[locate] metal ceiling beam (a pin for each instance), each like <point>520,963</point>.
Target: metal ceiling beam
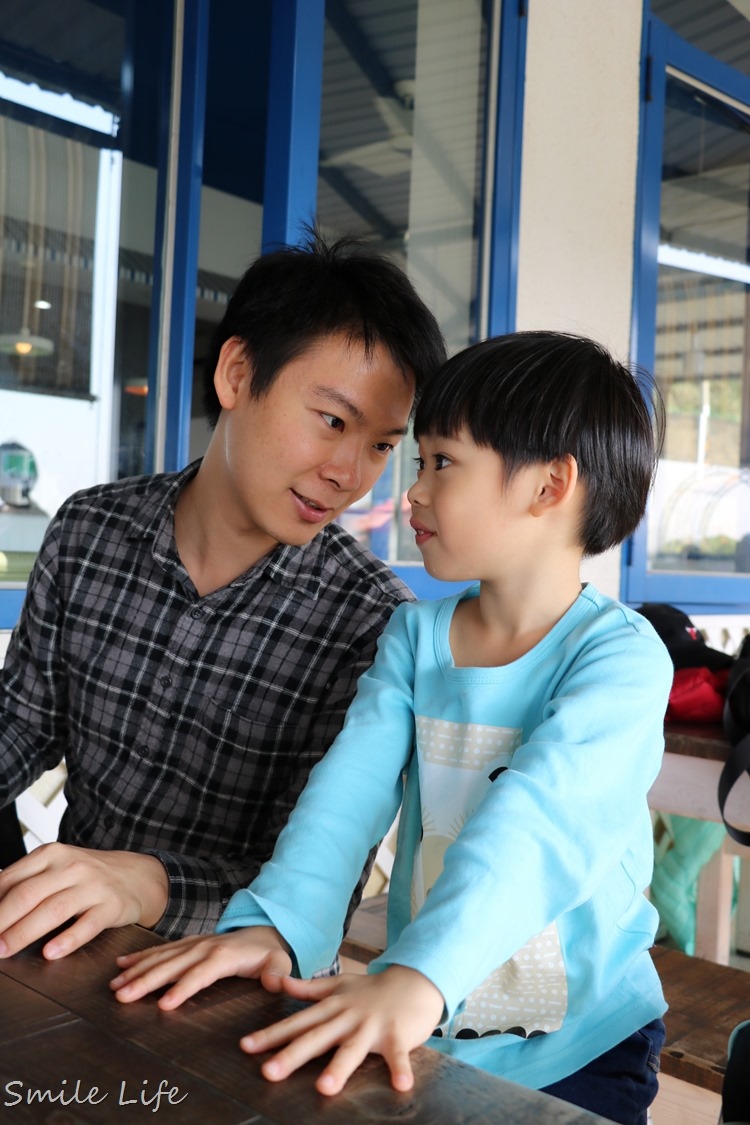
<point>22,62</point>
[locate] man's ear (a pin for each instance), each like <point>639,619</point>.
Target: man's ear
<point>557,484</point>
<point>233,371</point>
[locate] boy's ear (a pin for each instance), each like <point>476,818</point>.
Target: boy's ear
<point>557,484</point>
<point>233,371</point>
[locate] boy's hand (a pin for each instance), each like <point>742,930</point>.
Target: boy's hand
<point>258,952</point>
<point>93,890</point>
<point>388,1014</point>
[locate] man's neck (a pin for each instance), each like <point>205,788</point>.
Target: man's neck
<point>211,551</point>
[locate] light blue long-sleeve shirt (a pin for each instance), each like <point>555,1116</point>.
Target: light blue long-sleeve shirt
<point>525,841</point>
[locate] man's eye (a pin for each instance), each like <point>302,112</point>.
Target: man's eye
<point>332,421</point>
<point>384,447</point>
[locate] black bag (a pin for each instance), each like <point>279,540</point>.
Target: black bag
<point>737,729</point>
<point>735,1094</point>
<point>11,837</point>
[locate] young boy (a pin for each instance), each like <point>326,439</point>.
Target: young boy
<point>520,723</point>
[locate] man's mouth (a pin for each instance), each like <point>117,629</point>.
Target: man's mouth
<point>308,508</point>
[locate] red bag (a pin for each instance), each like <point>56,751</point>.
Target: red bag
<point>697,695</point>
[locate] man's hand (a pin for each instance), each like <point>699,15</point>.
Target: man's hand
<point>388,1014</point>
<point>99,889</point>
<point>257,952</point>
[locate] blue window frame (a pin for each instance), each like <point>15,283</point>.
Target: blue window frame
<point>290,195</point>
<point>685,86</point>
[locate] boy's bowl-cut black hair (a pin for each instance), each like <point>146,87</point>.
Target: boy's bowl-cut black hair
<point>537,396</point>
<point>291,297</point>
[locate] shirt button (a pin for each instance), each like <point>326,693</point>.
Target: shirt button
<point>166,681</point>
<point>196,613</point>
<point>108,821</point>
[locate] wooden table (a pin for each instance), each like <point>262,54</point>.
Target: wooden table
<point>687,786</point>
<point>63,1033</point>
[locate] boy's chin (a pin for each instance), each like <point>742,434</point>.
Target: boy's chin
<point>444,574</point>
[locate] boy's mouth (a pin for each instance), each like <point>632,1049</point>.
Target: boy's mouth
<point>422,533</point>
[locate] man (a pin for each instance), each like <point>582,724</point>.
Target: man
<point>190,642</point>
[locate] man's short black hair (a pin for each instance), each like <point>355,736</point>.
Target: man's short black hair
<point>538,396</point>
<point>291,297</point>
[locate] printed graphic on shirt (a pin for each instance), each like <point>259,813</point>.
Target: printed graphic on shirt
<point>526,995</point>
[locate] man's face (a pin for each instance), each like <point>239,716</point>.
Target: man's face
<point>296,458</point>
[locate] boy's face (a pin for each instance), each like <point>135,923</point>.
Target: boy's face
<point>293,460</point>
<point>470,524</point>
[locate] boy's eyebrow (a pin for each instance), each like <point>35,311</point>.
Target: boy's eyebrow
<point>336,398</point>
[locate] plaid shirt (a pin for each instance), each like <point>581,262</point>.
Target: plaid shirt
<point>188,724</point>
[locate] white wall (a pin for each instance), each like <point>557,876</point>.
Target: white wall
<point>578,180</point>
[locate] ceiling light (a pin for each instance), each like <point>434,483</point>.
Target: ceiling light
<point>24,344</point>
<point>42,305</point>
<point>136,387</point>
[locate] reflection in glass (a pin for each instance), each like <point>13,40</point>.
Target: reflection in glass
<point>718,27</point>
<point>401,164</point>
<point>699,519</point>
<point>59,211</point>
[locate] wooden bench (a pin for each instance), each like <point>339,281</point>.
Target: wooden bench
<point>706,1001</point>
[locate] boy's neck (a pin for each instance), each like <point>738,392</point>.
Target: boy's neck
<point>509,618</point>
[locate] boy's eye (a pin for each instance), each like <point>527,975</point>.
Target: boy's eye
<point>332,421</point>
<point>419,462</point>
<point>441,461</point>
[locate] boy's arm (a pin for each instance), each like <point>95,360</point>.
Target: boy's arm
<point>350,802</point>
<point>560,821</point>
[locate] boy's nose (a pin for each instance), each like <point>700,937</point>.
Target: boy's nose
<point>416,494</point>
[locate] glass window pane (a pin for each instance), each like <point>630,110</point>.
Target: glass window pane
<point>78,155</point>
<point>401,163</point>
<point>699,519</point>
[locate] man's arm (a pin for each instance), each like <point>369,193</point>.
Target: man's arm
<point>33,687</point>
<point>174,893</point>
<point>56,882</point>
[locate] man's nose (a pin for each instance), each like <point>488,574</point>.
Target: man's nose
<point>345,469</point>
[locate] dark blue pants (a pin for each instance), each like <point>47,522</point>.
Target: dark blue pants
<point>620,1084</point>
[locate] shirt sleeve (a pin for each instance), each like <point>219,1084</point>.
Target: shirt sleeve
<point>348,805</point>
<point>33,684</point>
<point>555,827</point>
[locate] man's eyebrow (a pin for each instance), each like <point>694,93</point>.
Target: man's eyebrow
<point>336,398</point>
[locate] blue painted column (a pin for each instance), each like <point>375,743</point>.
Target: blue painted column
<point>184,250</point>
<point>293,130</point>
<point>506,201</point>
